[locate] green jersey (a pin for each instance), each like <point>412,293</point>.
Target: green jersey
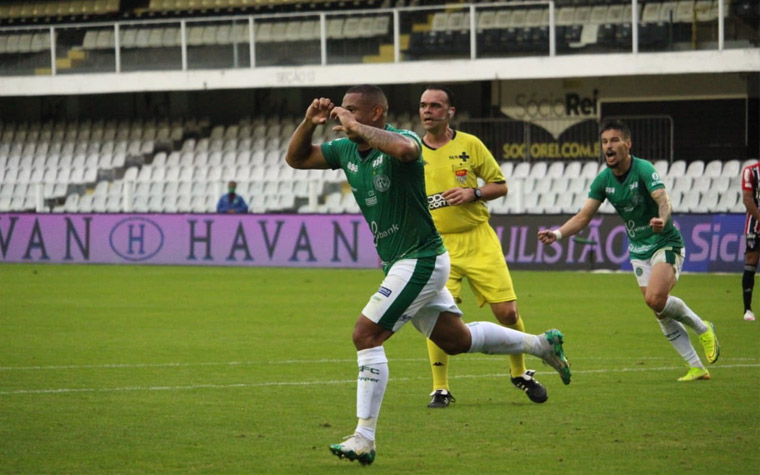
<point>632,198</point>
<point>391,196</point>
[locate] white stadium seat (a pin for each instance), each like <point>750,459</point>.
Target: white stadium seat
<point>695,168</point>
<point>714,168</point>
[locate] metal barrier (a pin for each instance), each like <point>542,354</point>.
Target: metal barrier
<point>469,31</point>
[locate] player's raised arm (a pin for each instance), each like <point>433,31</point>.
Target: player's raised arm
<point>573,225</point>
<point>302,153</point>
<point>660,196</point>
<point>394,144</point>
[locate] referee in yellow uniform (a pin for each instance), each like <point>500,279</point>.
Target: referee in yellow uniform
<point>453,163</point>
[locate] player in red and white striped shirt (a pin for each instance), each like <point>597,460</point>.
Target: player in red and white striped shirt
<point>751,194</point>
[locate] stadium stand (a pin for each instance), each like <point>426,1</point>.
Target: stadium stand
<point>161,166</point>
<point>582,26</point>
<point>49,11</point>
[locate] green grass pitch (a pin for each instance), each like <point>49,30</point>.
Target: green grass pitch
<point>251,370</point>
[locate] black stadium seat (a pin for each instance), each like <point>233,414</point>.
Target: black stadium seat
<point>539,39</point>
<point>749,10</point>
<point>624,36</point>
<point>653,35</point>
<point>606,34</point>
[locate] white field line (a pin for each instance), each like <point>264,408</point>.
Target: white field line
<point>290,362</point>
<point>329,382</point>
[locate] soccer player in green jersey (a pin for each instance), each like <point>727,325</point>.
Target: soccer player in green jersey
<point>656,248</point>
<point>384,168</point>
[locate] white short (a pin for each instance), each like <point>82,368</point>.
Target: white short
<point>413,289</point>
<point>642,269</point>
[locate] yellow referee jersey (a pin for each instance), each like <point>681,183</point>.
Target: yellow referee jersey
<point>459,163</point>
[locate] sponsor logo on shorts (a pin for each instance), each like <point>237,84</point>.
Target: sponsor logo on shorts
<point>384,291</point>
<point>437,201</point>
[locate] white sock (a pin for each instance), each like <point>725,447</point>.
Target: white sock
<point>679,338</point>
<point>493,339</point>
<point>676,309</point>
<point>370,388</point>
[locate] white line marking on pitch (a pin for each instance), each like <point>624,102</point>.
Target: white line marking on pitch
<point>281,362</point>
<point>315,383</point>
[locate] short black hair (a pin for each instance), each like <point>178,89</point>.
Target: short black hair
<point>446,90</point>
<point>370,91</point>
<point>615,124</point>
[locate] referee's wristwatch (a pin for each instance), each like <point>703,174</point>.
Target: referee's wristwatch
<point>478,194</point>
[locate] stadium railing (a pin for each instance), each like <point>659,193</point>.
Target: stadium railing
<point>484,30</point>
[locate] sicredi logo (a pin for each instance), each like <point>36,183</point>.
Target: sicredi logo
<point>136,239</point>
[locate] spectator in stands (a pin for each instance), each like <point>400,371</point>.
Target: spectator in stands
<point>384,167</point>
<point>656,246</point>
<point>454,161</point>
<point>750,191</point>
<point>231,202</point>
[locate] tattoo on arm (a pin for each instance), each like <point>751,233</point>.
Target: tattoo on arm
<point>663,203</point>
<point>395,145</point>
<point>377,138</point>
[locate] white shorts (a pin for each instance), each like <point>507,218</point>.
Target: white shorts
<point>642,269</point>
<point>413,289</point>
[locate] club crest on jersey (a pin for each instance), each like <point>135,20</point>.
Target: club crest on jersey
<point>382,183</point>
<point>461,176</point>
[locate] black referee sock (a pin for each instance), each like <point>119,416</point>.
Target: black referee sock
<point>748,283</point>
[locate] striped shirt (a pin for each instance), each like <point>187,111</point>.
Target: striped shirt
<point>751,182</point>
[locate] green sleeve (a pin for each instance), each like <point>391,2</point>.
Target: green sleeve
<point>332,152</point>
<point>648,174</point>
<point>413,136</point>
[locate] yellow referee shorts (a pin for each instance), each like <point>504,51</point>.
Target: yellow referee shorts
<point>477,255</point>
